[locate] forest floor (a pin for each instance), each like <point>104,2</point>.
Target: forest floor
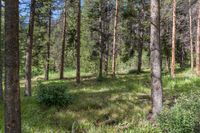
<point>106,106</point>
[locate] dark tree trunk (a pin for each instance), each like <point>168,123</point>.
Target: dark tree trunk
<point>140,49</point>
<point>114,39</point>
<point>106,58</point>
<point>78,78</point>
<point>155,48</point>
<point>12,88</point>
<point>48,46</point>
<point>63,43</point>
<point>28,65</point>
<point>1,57</point>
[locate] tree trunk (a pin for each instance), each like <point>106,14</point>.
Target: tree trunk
<point>114,39</point>
<point>63,42</point>
<point>28,65</point>
<point>48,46</point>
<point>100,41</point>
<point>191,37</point>
<point>140,48</point>
<point>78,78</point>
<point>198,43</point>
<point>155,48</point>
<point>12,88</point>
<point>173,64</point>
<point>1,56</point>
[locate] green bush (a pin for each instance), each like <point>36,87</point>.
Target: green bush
<point>183,117</point>
<point>52,95</point>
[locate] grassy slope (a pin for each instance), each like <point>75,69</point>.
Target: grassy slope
<point>107,106</point>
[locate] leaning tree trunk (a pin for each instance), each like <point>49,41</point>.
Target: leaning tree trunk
<point>78,78</point>
<point>155,49</point>
<point>63,42</point>
<point>48,46</point>
<point>12,88</point>
<point>28,65</point>
<point>114,39</point>
<point>173,63</point>
<point>1,56</point>
<point>191,37</point>
<point>198,43</point>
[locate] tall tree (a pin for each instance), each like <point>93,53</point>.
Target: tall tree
<point>114,39</point>
<point>155,49</point>
<point>48,43</point>
<point>63,41</point>
<point>173,63</point>
<point>100,39</point>
<point>198,43</point>
<point>191,37</point>
<point>28,65</point>
<point>12,88</point>
<point>1,56</point>
<point>78,45</point>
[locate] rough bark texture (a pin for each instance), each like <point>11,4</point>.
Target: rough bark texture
<point>114,39</point>
<point>191,37</point>
<point>1,57</point>
<point>78,78</point>
<point>12,89</point>
<point>155,48</point>
<point>63,43</point>
<point>28,65</point>
<point>48,47</point>
<point>198,44</point>
<point>173,64</point>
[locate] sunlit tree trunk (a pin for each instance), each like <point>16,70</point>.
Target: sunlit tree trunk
<point>1,56</point>
<point>48,45</point>
<point>173,63</point>
<point>114,39</point>
<point>28,65</point>
<point>198,43</point>
<point>12,88</point>
<point>63,42</point>
<point>191,37</point>
<point>78,78</point>
<point>155,49</point>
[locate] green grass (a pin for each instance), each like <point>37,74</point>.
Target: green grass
<point>109,106</point>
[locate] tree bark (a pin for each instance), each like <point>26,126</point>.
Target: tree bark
<point>48,46</point>
<point>155,48</point>
<point>63,43</point>
<point>191,37</point>
<point>140,49</point>
<point>1,56</point>
<point>28,65</point>
<point>114,39</point>
<point>78,78</point>
<point>12,88</point>
<point>198,43</point>
<point>173,64</point>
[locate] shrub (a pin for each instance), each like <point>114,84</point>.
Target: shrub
<point>52,95</point>
<point>183,117</point>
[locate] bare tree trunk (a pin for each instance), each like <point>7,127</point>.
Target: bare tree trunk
<point>191,37</point>
<point>140,48</point>
<point>28,65</point>
<point>198,43</point>
<point>78,78</point>
<point>63,42</point>
<point>155,48</point>
<point>1,56</point>
<point>48,46</point>
<point>114,39</point>
<point>12,88</point>
<point>106,58</point>
<point>173,64</point>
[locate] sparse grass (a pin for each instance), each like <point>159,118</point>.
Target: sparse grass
<point>107,106</point>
